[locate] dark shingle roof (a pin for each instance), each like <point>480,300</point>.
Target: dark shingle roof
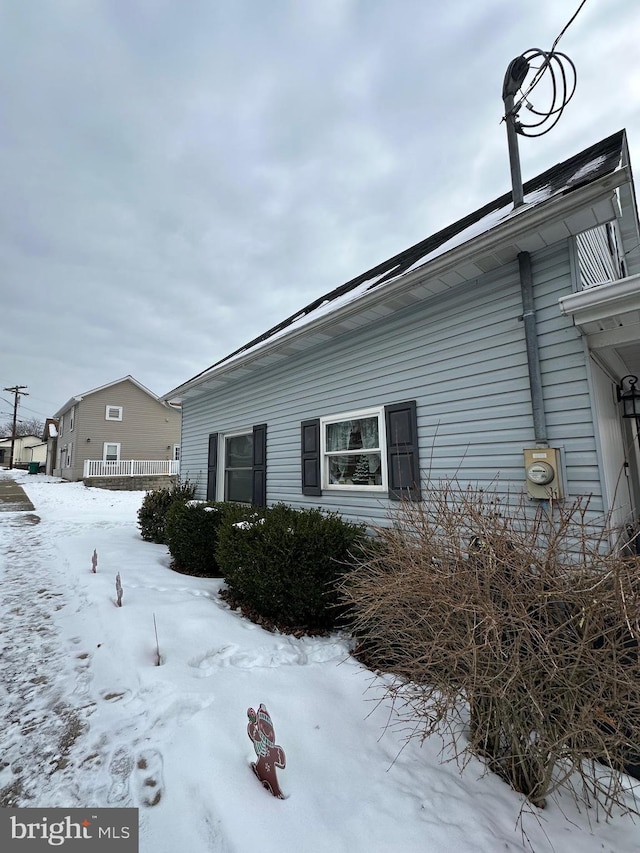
<point>594,162</point>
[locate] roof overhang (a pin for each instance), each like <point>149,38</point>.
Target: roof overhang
<point>608,316</point>
<point>526,229</point>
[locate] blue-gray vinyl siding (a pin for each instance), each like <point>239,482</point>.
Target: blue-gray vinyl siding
<point>460,355</point>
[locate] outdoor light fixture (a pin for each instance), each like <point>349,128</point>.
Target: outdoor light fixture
<point>629,396</point>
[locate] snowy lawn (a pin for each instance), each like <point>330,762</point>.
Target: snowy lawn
<point>88,719</point>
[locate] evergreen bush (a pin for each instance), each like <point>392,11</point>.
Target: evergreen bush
<point>192,530</point>
<point>155,505</point>
<point>286,566</point>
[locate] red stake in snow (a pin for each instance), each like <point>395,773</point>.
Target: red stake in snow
<point>270,756</point>
<point>94,562</point>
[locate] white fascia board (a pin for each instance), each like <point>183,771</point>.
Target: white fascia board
<point>67,406</point>
<point>521,222</point>
<point>603,300</point>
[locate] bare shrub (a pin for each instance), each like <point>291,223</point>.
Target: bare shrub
<point>514,631</point>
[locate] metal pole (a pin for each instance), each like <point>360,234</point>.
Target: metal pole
<point>513,80</point>
<point>16,391</point>
<point>514,153</point>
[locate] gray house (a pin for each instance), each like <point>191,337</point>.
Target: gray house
<point>120,435</point>
<point>493,351</point>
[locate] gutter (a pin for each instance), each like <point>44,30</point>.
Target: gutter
<point>613,297</point>
<point>533,351</point>
<point>519,223</point>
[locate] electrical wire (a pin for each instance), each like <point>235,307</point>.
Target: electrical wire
<point>564,78</point>
<point>567,25</point>
<point>563,85</point>
<point>548,55</point>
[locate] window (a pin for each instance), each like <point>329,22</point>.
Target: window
<point>237,466</point>
<point>176,452</point>
<point>351,447</point>
<point>373,450</point>
<point>71,418</point>
<point>61,426</point>
<point>113,413</point>
<point>111,452</point>
<point>69,455</point>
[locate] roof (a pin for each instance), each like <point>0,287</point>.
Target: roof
<point>563,179</point>
<point>22,438</point>
<point>80,397</point>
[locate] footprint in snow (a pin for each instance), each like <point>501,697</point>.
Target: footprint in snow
<point>83,676</point>
<point>120,768</point>
<point>148,777</point>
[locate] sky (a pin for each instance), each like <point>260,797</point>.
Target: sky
<point>177,176</point>
<point>89,720</point>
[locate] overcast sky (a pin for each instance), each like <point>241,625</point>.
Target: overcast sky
<point>176,176</point>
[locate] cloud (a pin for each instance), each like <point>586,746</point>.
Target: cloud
<point>177,177</point>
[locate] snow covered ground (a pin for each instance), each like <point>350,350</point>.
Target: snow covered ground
<point>88,719</point>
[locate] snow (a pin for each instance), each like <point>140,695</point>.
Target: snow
<point>88,719</point>
<point>481,226</point>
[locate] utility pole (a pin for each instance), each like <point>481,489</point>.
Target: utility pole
<point>17,393</point>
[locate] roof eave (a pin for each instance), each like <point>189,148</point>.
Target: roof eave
<point>522,221</point>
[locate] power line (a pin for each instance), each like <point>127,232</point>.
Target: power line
<point>567,25</point>
<point>33,411</point>
<point>548,57</point>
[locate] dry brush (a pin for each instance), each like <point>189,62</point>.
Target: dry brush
<point>512,629</point>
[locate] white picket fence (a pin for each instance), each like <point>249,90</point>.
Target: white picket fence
<point>131,468</point>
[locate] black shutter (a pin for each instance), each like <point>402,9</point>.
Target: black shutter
<point>310,448</point>
<point>212,466</point>
<point>259,497</point>
<point>402,451</point>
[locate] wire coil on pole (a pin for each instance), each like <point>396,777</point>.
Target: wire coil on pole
<point>562,76</point>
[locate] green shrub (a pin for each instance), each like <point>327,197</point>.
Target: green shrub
<point>155,505</point>
<point>286,566</point>
<point>192,533</point>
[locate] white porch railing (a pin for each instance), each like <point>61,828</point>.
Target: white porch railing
<point>131,468</point>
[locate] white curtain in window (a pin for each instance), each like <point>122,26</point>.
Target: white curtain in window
<point>353,435</point>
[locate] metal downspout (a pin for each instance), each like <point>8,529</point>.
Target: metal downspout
<point>533,354</point>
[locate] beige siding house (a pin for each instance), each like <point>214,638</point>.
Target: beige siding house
<point>120,431</point>
<point>26,448</point>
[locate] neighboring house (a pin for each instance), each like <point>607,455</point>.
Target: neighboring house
<point>22,451</point>
<point>120,431</point>
<point>508,331</point>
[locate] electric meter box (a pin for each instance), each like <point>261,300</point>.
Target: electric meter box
<point>542,473</point>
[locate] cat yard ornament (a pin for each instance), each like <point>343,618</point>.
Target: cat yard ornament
<point>270,756</point>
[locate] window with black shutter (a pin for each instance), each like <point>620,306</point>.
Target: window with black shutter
<point>310,446</point>
<point>212,466</point>
<point>403,463</point>
<point>372,450</point>
<point>242,468</point>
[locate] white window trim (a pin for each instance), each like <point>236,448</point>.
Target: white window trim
<point>106,414</point>
<point>176,449</point>
<point>104,450</point>
<point>324,463</point>
<point>222,437</point>
<point>72,412</point>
